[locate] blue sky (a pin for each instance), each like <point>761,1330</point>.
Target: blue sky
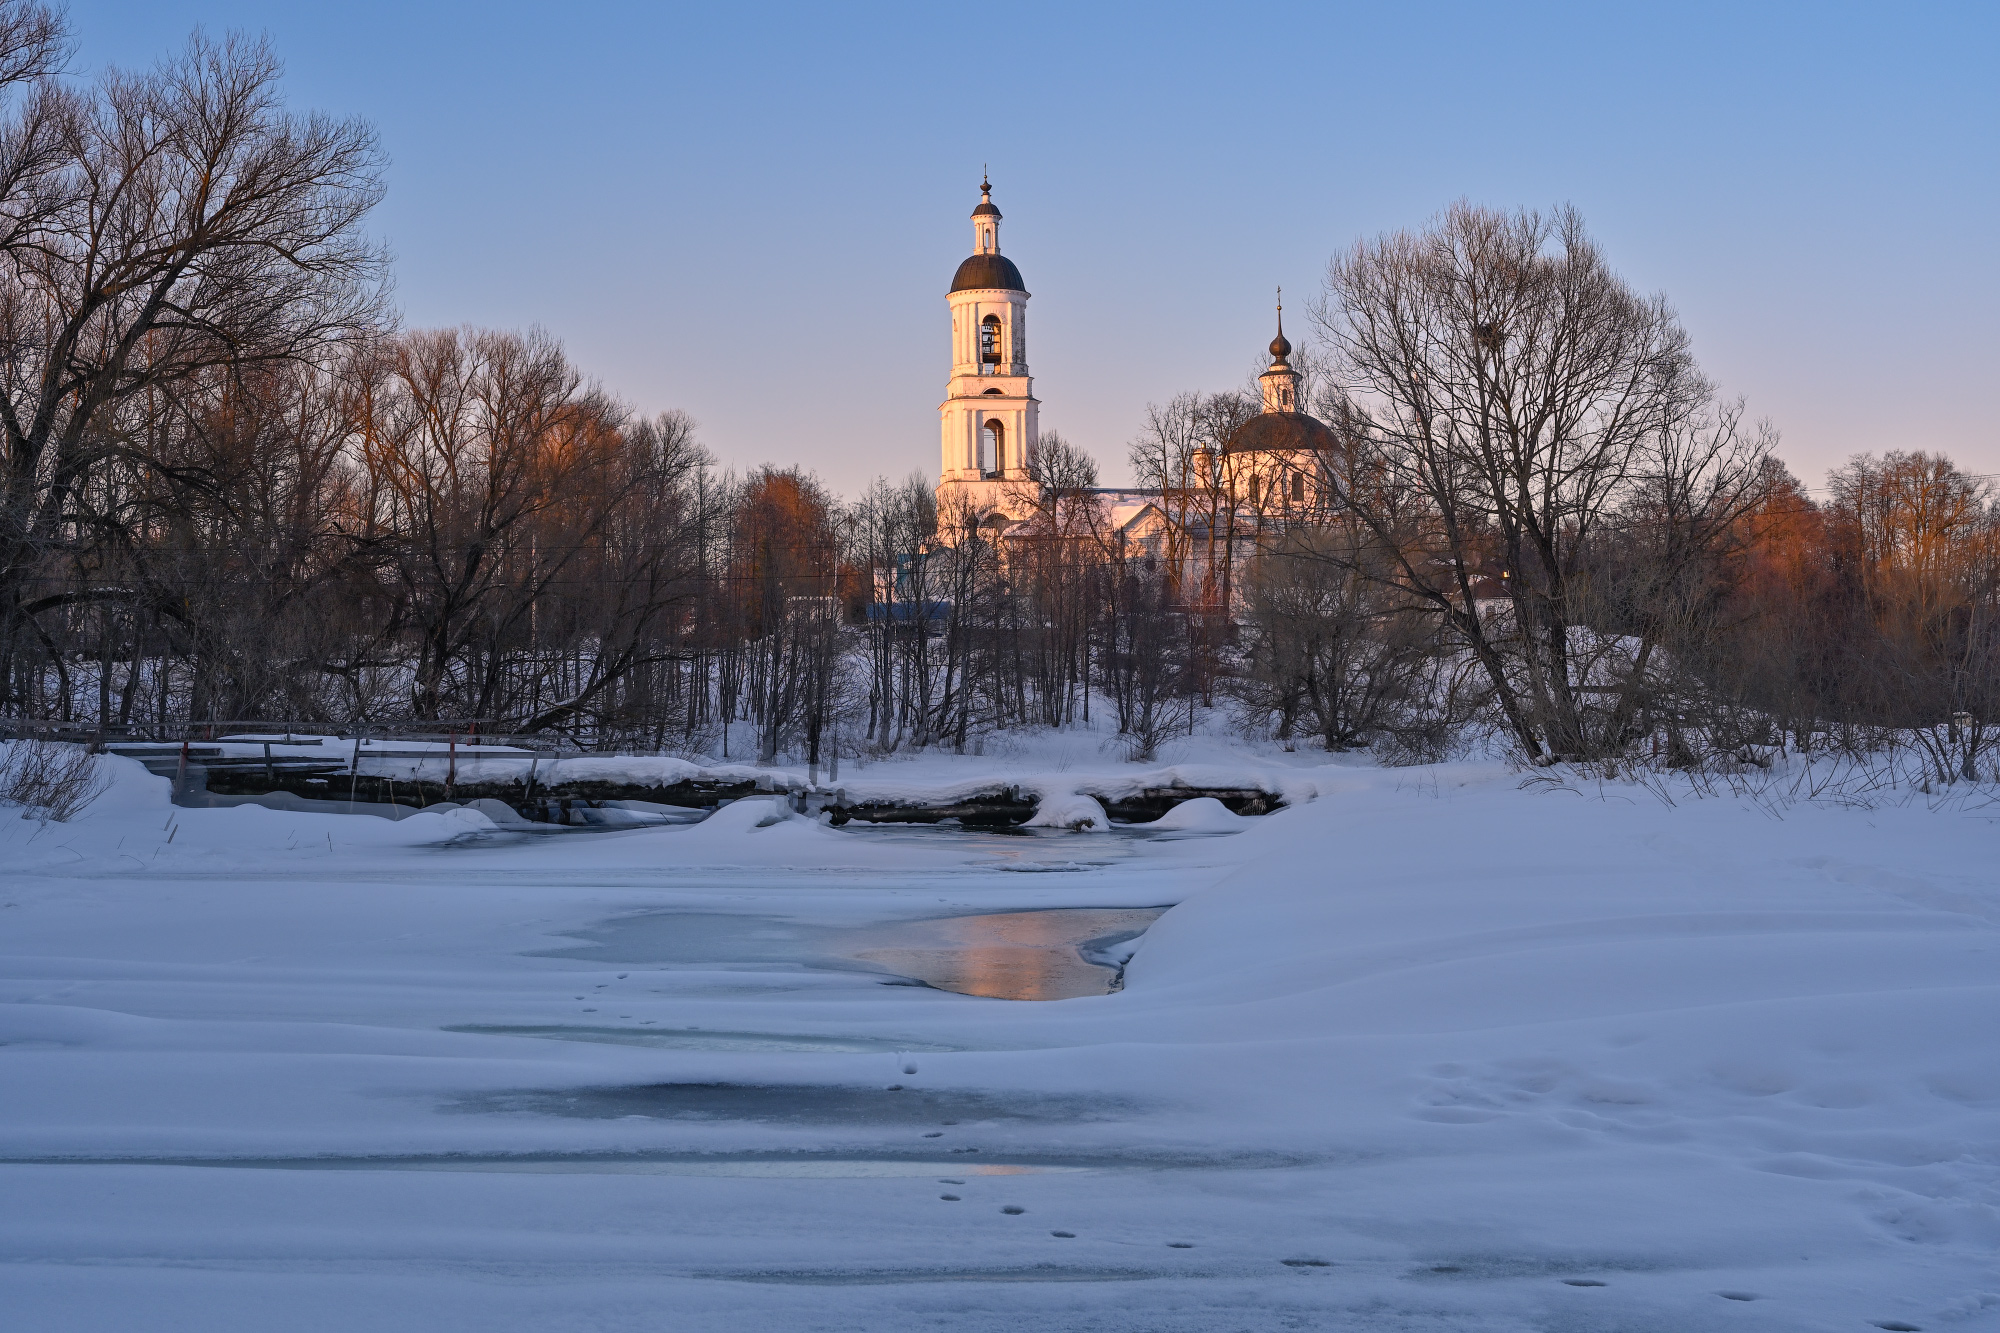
<point>751,212</point>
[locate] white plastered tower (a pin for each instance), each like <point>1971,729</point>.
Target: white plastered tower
<point>987,420</point>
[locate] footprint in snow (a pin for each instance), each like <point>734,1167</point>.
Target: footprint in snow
<point>1013,1210</point>
<point>949,1198</point>
<point>1738,1295</point>
<point>1179,1245</point>
<point>1571,1281</point>
<point>1305,1263</point>
<point>1898,1326</point>
<point>1064,1235</point>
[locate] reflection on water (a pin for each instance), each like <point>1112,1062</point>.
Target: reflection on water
<point>1056,954</point>
<point>1011,955</point>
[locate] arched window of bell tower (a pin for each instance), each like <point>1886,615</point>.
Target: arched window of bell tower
<point>992,449</point>
<point>989,341</point>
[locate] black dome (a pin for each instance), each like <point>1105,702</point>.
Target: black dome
<point>1280,432</point>
<point>984,272</point>
<point>986,210</point>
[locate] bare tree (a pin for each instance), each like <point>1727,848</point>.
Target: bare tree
<point>1054,561</point>
<point>1658,575</point>
<point>1331,653</point>
<point>474,438</point>
<point>784,572</point>
<point>623,600</point>
<point>1182,453</point>
<point>1920,541</point>
<point>1503,387</point>
<point>159,226</point>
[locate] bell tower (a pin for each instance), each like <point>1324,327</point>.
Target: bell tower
<point>988,416</point>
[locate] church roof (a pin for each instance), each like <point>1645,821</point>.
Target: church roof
<point>1279,432</point>
<point>988,272</point>
<point>986,209</point>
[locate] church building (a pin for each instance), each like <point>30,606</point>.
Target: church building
<point>989,425</point>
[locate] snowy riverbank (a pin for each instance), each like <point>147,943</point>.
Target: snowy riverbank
<point>1426,1052</point>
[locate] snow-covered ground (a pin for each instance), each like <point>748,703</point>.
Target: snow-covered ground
<point>1426,1052</point>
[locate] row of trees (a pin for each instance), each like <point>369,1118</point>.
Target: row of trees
<point>1540,512</point>
<point>231,488</point>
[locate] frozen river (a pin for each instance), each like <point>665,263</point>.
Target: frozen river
<point>1447,1056</point>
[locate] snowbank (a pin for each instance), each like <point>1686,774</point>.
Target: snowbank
<point>1071,810</point>
<point>1204,814</point>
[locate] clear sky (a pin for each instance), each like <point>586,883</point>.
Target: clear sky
<point>752,211</point>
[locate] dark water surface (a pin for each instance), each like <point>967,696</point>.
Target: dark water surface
<point>807,1166</point>
<point>697,1039</point>
<point>798,1104</point>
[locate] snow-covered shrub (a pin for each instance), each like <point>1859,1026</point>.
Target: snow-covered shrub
<point>49,779</point>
